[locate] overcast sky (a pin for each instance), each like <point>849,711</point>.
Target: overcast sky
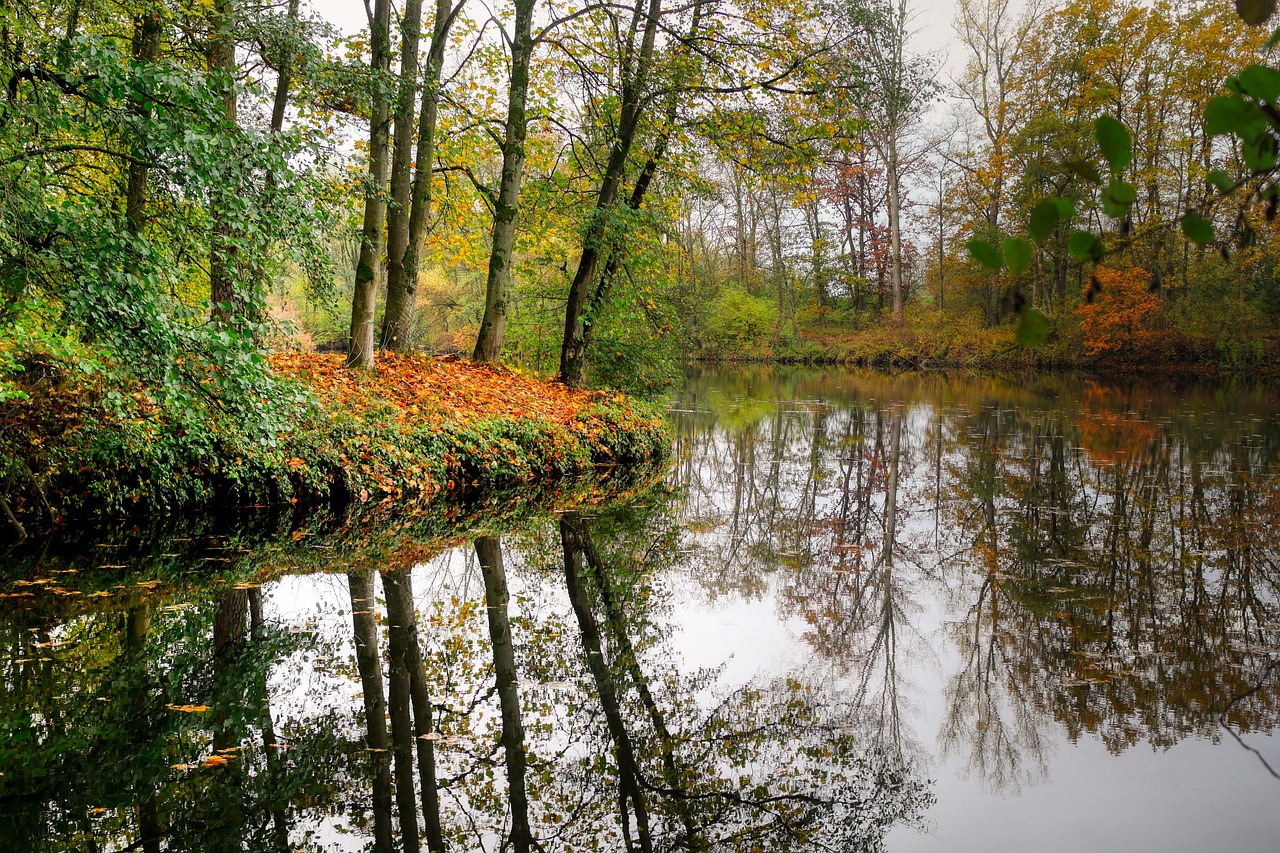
<point>932,22</point>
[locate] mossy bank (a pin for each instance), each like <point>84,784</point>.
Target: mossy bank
<point>412,430</point>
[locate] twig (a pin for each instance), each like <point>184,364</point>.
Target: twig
<point>1222,718</point>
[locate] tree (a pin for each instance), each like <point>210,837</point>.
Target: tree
<point>360,348</point>
<point>506,201</point>
<point>411,204</point>
<point>900,87</point>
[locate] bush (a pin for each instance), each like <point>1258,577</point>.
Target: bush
<point>740,323</point>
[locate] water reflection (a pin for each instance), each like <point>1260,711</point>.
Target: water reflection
<point>527,695</point>
<point>1106,556</point>
<point>977,574</point>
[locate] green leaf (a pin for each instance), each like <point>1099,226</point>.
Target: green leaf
<point>1261,82</point>
<point>1084,246</point>
<point>1233,114</point>
<point>1017,255</point>
<point>1197,228</point>
<point>1044,218</point>
<point>1085,170</point>
<point>1260,153</point>
<point>1033,328</point>
<point>985,254</point>
<point>1254,12</point>
<point>1221,181</point>
<point>1122,191</point>
<point>1066,210</point>
<point>1115,143</point>
<point>1117,198</point>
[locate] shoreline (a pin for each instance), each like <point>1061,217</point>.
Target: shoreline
<point>414,431</point>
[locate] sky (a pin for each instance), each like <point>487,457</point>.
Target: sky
<point>932,19</point>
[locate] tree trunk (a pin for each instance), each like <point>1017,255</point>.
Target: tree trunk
<point>573,541</point>
<point>573,344</point>
<point>146,49</point>
<point>405,652</point>
<point>369,665</point>
<point>402,736</point>
<point>507,204</point>
<point>364,297</point>
<point>222,251</point>
<point>397,322</point>
<point>489,550</point>
<point>895,228</point>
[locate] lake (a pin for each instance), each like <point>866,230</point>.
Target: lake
<point>854,612</point>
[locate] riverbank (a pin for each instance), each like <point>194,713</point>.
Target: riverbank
<point>930,341</point>
<point>412,430</point>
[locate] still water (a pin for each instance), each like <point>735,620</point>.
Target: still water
<point>855,612</point>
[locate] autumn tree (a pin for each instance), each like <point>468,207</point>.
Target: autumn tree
<point>410,209</point>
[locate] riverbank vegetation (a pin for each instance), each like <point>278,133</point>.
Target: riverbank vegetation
<point>412,430</point>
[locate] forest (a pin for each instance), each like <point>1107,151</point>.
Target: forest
<point>596,192</point>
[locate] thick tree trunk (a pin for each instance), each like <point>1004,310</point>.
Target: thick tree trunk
<point>489,550</point>
<point>146,49</point>
<point>364,297</point>
<point>507,204</point>
<point>369,665</point>
<point>397,321</point>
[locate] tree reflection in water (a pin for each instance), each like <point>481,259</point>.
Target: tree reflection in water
<point>1107,555</point>
<point>1050,563</point>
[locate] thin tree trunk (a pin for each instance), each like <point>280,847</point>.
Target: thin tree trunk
<point>891,490</point>
<point>284,72</point>
<point>270,745</point>
<point>573,345</point>
<point>489,550</point>
<point>222,62</point>
<point>630,788</point>
<point>399,326</point>
<point>365,295</point>
<point>507,204</point>
<point>895,229</point>
<point>405,651</point>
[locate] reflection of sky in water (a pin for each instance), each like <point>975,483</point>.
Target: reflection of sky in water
<point>1203,791</point>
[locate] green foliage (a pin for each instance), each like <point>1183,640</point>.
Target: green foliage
<point>740,323</point>
<point>1114,142</point>
<point>1017,255</point>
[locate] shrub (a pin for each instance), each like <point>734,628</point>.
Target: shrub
<point>1123,319</point>
<point>739,322</point>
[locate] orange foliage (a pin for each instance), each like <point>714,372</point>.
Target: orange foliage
<point>1124,317</point>
<point>1111,432</point>
<point>432,390</point>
